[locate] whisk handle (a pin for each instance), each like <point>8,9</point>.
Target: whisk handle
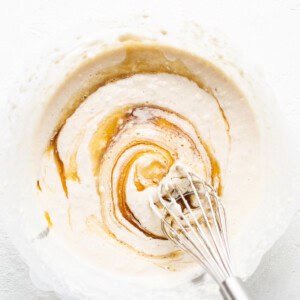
<point>232,289</point>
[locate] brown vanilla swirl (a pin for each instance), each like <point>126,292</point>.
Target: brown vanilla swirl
<point>119,123</point>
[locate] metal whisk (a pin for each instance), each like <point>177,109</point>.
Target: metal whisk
<point>193,217</point>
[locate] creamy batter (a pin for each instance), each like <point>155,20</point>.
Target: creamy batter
<point>112,132</point>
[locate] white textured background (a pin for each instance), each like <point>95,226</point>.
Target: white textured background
<point>266,32</point>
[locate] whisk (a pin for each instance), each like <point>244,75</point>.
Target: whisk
<point>193,217</point>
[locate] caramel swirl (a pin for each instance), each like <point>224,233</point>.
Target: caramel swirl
<point>132,147</point>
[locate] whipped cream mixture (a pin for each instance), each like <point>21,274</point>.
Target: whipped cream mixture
<point>111,133</point>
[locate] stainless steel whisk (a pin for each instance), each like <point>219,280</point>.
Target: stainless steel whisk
<point>193,217</point>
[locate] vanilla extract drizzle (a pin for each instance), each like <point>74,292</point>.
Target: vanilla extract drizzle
<point>120,152</point>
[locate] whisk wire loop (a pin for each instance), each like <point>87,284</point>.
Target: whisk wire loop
<point>193,217</point>
<point>199,230</point>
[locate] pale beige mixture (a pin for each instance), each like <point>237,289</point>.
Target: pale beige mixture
<point>111,134</point>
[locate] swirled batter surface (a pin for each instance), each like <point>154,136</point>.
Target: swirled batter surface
<point>112,132</point>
